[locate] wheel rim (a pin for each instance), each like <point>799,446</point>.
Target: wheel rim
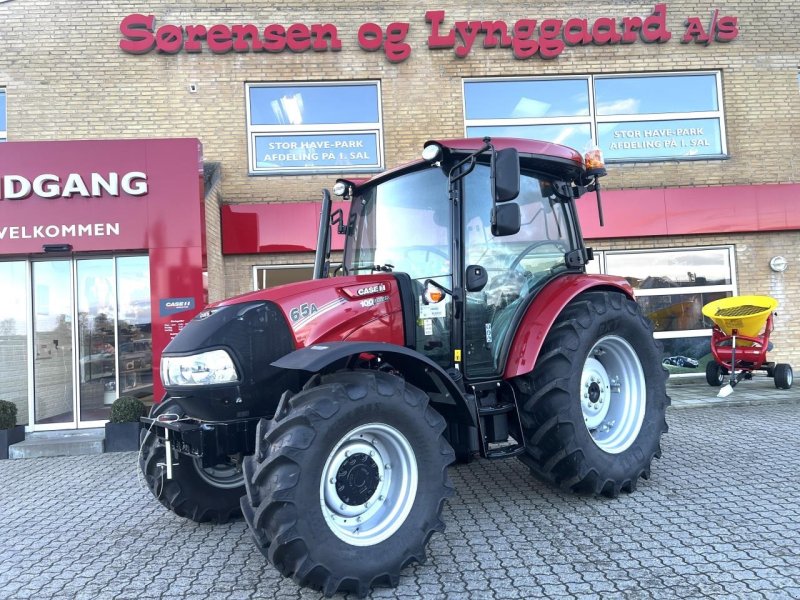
<point>220,476</point>
<point>613,394</point>
<point>368,484</point>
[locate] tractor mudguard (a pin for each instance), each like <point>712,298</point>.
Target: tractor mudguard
<point>531,328</point>
<point>416,368</point>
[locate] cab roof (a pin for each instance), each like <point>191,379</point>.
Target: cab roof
<point>533,154</point>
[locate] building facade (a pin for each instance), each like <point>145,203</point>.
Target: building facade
<point>695,104</point>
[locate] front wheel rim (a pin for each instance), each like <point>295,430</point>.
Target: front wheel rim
<point>613,394</point>
<point>223,476</point>
<point>368,484</point>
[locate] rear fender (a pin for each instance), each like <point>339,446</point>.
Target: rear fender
<point>416,368</point>
<point>543,311</point>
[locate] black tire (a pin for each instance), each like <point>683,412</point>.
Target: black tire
<point>192,493</point>
<point>783,376</point>
<point>560,448</point>
<point>715,374</point>
<point>287,481</point>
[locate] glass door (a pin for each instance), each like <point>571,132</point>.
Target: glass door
<point>91,336</point>
<point>97,344</point>
<point>53,372</point>
<point>15,336</point>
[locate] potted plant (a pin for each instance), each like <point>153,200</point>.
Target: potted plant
<point>122,432</point>
<point>10,432</point>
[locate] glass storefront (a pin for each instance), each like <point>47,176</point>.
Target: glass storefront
<point>671,287</point>
<point>76,334</point>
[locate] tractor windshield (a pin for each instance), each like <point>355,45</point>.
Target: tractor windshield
<point>403,224</point>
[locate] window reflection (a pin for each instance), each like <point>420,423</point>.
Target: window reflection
<point>526,99</point>
<point>672,268</point>
<point>678,312</point>
<point>134,327</point>
<point>313,105</point>
<point>658,94</point>
<point>14,337</point>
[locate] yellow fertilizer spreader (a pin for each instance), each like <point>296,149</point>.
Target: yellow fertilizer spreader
<point>740,340</point>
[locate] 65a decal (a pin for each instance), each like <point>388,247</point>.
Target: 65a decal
<point>304,314</point>
<point>303,311</point>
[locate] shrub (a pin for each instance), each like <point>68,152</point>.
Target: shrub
<point>8,414</point>
<point>127,409</point>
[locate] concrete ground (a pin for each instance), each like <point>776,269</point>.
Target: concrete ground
<point>719,518</point>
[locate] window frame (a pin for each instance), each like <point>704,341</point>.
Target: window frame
<point>257,268</point>
<point>4,132</point>
<point>731,287</point>
<point>254,131</point>
<point>593,119</point>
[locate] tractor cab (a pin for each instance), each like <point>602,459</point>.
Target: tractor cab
<point>479,227</point>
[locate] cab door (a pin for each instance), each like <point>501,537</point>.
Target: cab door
<point>405,225</point>
<point>516,265</point>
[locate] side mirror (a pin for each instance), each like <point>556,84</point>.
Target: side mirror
<point>506,219</point>
<point>477,277</point>
<point>505,175</point>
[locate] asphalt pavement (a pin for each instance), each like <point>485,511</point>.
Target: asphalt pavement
<point>719,518</point>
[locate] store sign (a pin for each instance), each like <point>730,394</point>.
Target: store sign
<point>277,152</point>
<point>646,140</point>
<point>50,186</point>
<point>526,38</point>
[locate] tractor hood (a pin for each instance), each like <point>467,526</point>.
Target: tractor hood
<point>363,307</point>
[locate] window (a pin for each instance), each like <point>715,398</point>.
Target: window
<point>3,133</point>
<point>671,287</point>
<point>270,276</point>
<point>314,128</point>
<point>668,116</point>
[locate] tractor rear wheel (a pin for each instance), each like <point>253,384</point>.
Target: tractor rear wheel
<point>715,374</point>
<point>783,376</point>
<point>348,481</point>
<point>194,492</point>
<point>593,409</point>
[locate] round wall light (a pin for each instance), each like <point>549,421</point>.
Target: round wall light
<point>778,264</point>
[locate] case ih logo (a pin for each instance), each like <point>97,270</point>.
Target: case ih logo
<point>171,306</point>
<point>47,185</point>
<point>372,289</point>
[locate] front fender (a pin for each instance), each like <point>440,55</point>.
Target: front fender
<point>543,311</point>
<point>416,368</point>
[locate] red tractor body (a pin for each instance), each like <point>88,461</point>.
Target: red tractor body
<point>462,324</point>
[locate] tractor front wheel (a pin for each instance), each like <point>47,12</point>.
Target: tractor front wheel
<point>194,492</point>
<point>593,410</point>
<point>348,481</point>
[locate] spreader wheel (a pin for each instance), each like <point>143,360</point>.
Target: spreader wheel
<point>715,374</point>
<point>783,376</point>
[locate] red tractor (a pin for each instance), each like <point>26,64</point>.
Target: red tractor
<point>461,322</point>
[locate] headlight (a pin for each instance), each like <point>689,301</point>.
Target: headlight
<point>207,368</point>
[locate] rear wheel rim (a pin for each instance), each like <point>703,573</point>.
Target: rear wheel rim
<point>368,484</point>
<point>613,394</point>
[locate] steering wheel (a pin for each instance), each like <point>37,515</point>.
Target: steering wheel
<point>557,243</point>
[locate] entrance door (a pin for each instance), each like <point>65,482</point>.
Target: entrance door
<point>53,372</point>
<point>90,338</point>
